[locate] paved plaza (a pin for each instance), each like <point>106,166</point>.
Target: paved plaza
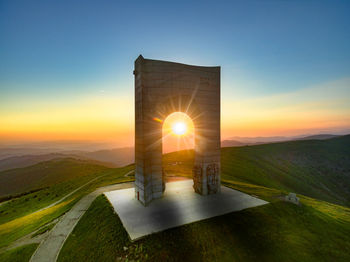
<point>180,205</point>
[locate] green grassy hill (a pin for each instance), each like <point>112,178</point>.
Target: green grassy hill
<point>316,168</point>
<point>25,214</point>
<point>45,174</point>
<point>279,231</point>
<point>317,230</point>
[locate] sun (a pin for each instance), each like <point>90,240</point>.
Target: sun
<point>179,128</point>
<point>177,132</point>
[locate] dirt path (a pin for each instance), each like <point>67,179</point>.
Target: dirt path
<point>50,247</point>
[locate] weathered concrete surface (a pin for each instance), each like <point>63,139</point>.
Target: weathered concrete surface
<point>162,88</point>
<point>50,247</point>
<point>180,205</point>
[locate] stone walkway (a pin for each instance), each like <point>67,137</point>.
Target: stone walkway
<point>50,247</point>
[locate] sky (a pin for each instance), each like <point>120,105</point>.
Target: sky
<point>66,66</point>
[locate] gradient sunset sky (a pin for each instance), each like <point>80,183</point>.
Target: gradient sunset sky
<point>66,66</point>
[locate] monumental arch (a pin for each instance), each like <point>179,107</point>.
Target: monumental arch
<point>162,88</point>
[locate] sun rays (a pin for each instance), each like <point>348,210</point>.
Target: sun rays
<point>178,132</point>
<point>180,120</point>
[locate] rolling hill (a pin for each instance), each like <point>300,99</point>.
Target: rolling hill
<point>318,137</point>
<point>45,174</point>
<point>316,168</point>
<point>108,157</point>
<point>250,141</point>
<point>117,156</point>
<point>315,231</point>
<point>280,231</point>
<point>6,152</point>
<point>230,143</point>
<point>29,160</point>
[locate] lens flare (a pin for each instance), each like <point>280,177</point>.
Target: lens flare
<point>179,128</point>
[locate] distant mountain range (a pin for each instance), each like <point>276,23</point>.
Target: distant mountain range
<point>245,141</point>
<point>231,143</point>
<point>117,156</point>
<point>109,158</point>
<point>18,157</point>
<point>28,160</point>
<point>318,137</point>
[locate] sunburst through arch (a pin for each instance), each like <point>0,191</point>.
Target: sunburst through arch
<point>177,132</point>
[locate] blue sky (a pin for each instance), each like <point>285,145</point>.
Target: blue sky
<point>66,50</point>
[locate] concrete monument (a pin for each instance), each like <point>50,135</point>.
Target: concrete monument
<point>162,88</point>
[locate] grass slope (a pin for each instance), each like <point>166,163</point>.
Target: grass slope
<point>18,254</point>
<point>317,168</point>
<point>279,231</point>
<point>34,201</point>
<point>17,218</point>
<point>45,174</point>
<point>317,230</point>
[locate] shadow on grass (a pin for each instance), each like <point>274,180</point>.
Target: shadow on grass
<point>276,232</point>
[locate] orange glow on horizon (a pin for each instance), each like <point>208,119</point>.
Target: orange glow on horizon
<point>103,117</point>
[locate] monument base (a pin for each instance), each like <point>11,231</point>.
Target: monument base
<point>180,205</point>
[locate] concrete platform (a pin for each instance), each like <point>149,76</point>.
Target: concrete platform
<point>179,206</point>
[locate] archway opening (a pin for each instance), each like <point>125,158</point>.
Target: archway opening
<point>178,132</point>
<point>178,141</point>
